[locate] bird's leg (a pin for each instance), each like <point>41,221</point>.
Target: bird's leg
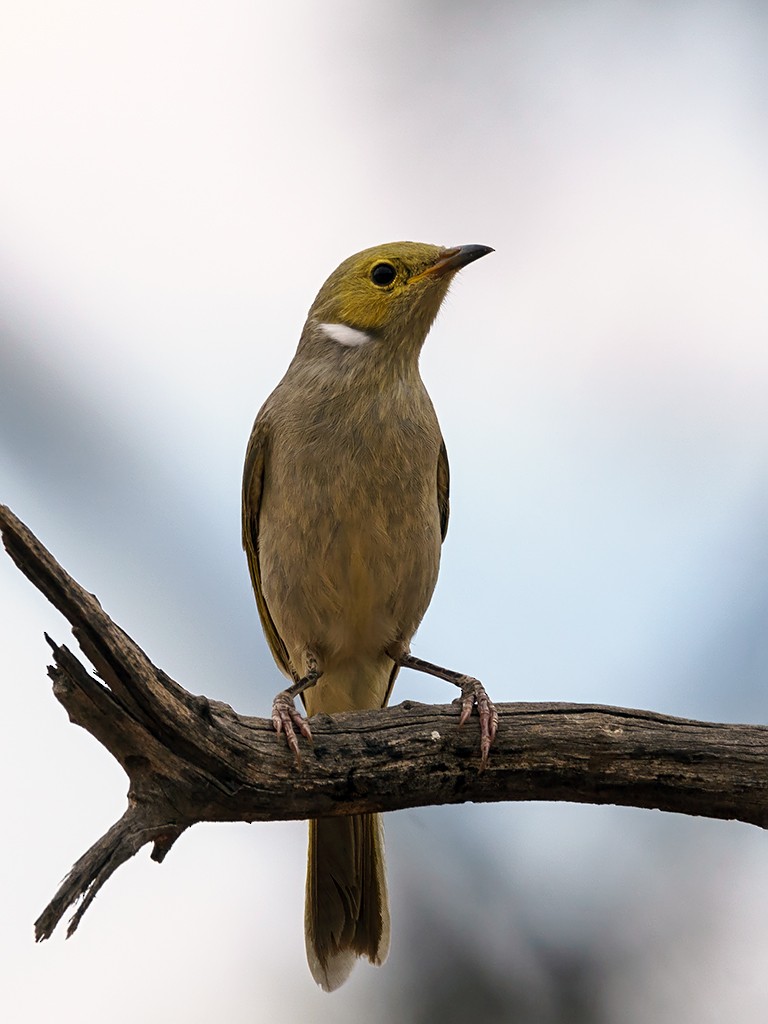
<point>285,715</point>
<point>472,695</point>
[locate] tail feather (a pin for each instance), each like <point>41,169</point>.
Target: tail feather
<point>347,910</point>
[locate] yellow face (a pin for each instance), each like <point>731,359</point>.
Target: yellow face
<point>391,289</point>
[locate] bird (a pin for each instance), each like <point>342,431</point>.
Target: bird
<point>345,508</point>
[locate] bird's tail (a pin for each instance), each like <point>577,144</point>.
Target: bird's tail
<point>347,910</point>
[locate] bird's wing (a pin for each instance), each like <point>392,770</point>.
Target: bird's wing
<point>443,487</point>
<point>253,485</point>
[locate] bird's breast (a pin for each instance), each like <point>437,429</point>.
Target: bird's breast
<point>349,531</point>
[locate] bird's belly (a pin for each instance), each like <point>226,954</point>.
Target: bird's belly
<point>346,579</point>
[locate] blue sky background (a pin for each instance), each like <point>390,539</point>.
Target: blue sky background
<point>177,181</point>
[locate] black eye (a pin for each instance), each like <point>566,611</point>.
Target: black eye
<point>383,274</point>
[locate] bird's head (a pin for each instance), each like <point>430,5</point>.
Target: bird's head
<point>388,295</point>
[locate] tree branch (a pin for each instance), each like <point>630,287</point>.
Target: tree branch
<point>191,759</point>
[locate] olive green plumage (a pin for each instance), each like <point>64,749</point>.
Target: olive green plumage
<point>345,505</point>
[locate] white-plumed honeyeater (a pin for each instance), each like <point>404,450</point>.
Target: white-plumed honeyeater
<point>345,506</point>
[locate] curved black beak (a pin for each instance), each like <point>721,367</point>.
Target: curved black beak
<point>459,256</point>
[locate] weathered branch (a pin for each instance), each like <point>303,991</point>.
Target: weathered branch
<point>191,759</point>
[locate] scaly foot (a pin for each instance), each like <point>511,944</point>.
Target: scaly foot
<point>473,695</point>
<point>285,717</point>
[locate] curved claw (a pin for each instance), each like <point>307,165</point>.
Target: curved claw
<point>285,717</point>
<point>473,694</point>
